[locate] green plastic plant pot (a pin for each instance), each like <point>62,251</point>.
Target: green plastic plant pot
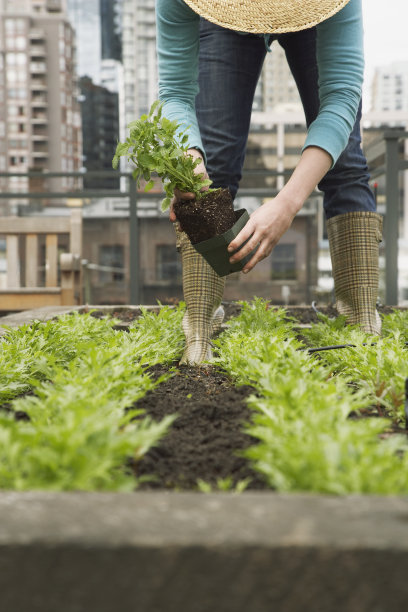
<point>215,250</point>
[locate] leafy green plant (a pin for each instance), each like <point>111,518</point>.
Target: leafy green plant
<point>156,145</point>
<point>302,403</point>
<point>378,365</point>
<point>224,485</point>
<point>85,377</point>
<point>396,323</point>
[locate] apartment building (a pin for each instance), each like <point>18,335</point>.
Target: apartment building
<point>40,126</point>
<point>389,90</point>
<point>100,129</point>
<point>139,56</point>
<point>276,90</point>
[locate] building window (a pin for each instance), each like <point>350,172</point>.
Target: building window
<point>168,263</point>
<point>284,262</point>
<point>18,144</point>
<point>112,256</point>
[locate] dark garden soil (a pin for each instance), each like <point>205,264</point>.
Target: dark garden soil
<point>211,215</point>
<point>204,440</point>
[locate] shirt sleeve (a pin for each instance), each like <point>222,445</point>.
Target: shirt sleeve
<point>177,54</point>
<point>340,58</point>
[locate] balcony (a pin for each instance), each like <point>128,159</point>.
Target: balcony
<point>39,101</point>
<point>54,6</point>
<point>40,163</point>
<point>40,155</point>
<point>39,119</point>
<point>40,148</point>
<point>37,34</point>
<point>39,137</point>
<point>38,68</point>
<point>38,84</point>
<point>38,51</point>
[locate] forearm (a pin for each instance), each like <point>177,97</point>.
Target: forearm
<point>313,165</point>
<point>271,220</point>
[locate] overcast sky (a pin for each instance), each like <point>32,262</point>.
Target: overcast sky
<point>386,37</point>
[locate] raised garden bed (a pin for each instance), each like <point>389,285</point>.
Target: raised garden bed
<point>75,550</point>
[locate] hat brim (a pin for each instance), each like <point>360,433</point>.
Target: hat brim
<point>266,16</point>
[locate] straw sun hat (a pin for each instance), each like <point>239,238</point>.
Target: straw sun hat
<point>266,16</point>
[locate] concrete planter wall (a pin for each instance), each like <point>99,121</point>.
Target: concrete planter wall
<point>165,552</point>
<point>191,552</point>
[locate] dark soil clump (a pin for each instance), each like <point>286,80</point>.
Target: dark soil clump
<point>211,215</point>
<point>203,442</point>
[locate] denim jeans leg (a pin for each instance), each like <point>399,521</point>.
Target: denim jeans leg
<point>229,68</point>
<point>346,186</point>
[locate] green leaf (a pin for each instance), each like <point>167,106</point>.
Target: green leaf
<point>165,204</point>
<point>153,107</point>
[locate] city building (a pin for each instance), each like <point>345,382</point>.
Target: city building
<point>139,57</point>
<point>86,21</point>
<point>276,89</point>
<point>100,129</point>
<point>289,275</point>
<point>111,29</point>
<point>389,91</point>
<point>97,24</point>
<point>40,124</point>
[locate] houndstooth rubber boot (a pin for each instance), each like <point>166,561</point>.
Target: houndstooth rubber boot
<point>354,238</point>
<point>203,290</point>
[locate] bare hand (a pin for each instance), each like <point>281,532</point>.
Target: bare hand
<point>179,195</point>
<point>273,219</point>
<point>264,228</point>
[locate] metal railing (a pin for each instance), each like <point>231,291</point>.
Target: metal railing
<point>133,196</point>
<point>387,148</point>
<point>130,192</point>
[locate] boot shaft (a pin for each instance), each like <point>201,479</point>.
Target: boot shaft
<point>354,246</point>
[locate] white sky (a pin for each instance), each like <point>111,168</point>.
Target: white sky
<point>386,38</point>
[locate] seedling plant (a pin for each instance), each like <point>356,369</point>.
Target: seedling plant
<point>302,403</point>
<point>156,145</point>
<point>81,378</point>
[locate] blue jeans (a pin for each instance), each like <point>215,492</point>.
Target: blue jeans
<point>229,68</point>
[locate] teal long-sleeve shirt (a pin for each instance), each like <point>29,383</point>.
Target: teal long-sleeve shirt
<point>340,61</point>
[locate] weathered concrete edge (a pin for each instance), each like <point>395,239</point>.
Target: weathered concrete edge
<point>160,519</point>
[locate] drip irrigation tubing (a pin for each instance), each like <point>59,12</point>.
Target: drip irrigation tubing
<point>339,346</point>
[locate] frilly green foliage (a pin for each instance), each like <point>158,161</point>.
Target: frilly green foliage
<point>156,145</point>
<point>85,378</point>
<point>301,404</point>
<point>379,364</point>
